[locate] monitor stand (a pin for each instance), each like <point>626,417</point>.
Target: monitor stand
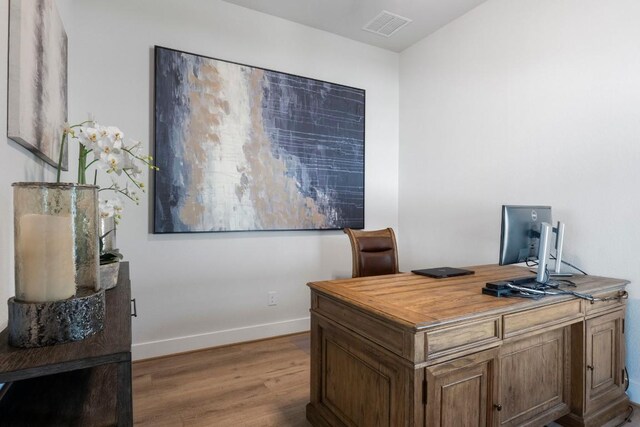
<point>553,273</point>
<point>559,230</point>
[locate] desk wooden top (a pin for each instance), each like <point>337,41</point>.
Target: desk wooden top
<point>420,302</point>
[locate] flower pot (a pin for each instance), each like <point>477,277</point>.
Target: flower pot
<point>108,270</point>
<point>109,275</point>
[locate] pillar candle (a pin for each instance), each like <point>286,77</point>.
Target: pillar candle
<point>46,267</point>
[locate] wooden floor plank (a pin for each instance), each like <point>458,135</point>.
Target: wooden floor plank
<point>264,383</point>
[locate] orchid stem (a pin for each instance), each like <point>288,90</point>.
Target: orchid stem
<point>62,141</point>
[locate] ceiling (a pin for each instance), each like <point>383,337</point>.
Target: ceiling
<point>347,17</point>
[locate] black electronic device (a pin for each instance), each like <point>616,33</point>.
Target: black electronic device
<point>498,285</point>
<point>443,272</point>
<point>518,281</point>
<point>505,288</point>
<point>506,292</point>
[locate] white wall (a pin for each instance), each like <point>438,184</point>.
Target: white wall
<point>202,290</point>
<point>17,164</point>
<point>526,102</point>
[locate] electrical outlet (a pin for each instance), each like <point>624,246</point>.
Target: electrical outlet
<point>272,298</point>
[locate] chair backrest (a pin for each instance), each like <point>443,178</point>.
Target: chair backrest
<point>374,252</point>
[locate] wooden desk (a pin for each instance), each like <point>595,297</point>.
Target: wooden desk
<point>406,350</point>
<point>84,383</point>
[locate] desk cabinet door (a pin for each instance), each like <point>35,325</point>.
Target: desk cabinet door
<point>534,378</point>
<point>461,392</point>
<point>604,359</point>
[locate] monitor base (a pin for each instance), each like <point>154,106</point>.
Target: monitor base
<point>553,273</point>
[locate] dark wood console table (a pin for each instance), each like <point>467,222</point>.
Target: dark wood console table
<point>85,383</point>
<point>407,350</point>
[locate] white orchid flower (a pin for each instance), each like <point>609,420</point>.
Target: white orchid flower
<point>88,136</point>
<point>111,161</point>
<point>106,208</point>
<point>106,145</point>
<point>131,164</point>
<point>112,155</point>
<point>136,171</point>
<point>67,129</point>
<point>118,205</point>
<point>111,207</point>
<point>115,134</point>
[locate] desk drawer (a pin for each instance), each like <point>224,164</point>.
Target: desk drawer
<point>598,306</point>
<point>369,327</point>
<point>460,337</point>
<point>537,318</point>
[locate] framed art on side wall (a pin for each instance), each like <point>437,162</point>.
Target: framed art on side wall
<point>37,89</point>
<point>244,148</point>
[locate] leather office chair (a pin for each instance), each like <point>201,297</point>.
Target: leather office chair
<point>374,252</point>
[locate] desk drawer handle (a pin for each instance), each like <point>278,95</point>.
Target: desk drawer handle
<point>498,407</point>
<point>135,308</point>
<point>621,295</point>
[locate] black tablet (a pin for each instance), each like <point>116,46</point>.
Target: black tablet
<point>442,272</point>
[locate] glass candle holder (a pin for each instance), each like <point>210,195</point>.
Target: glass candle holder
<point>108,233</point>
<point>56,240</point>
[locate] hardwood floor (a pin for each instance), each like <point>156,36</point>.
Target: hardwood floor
<point>263,383</point>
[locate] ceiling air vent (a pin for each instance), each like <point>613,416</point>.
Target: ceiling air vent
<point>386,23</point>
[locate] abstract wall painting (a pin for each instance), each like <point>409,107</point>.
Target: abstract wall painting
<point>37,97</point>
<point>244,148</point>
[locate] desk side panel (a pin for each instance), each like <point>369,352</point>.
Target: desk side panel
<point>355,382</point>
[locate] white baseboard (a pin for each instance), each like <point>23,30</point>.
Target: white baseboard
<point>634,391</point>
<point>146,350</point>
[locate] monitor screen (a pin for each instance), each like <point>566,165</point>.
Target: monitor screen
<point>520,232</point>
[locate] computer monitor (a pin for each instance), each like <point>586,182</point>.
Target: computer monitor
<point>520,232</point>
<point>526,236</point>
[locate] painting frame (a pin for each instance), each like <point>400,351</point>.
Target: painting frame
<point>37,98</point>
<point>326,167</point>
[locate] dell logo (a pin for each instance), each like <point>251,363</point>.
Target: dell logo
<point>534,215</point>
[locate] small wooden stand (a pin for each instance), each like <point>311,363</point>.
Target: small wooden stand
<point>86,382</point>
